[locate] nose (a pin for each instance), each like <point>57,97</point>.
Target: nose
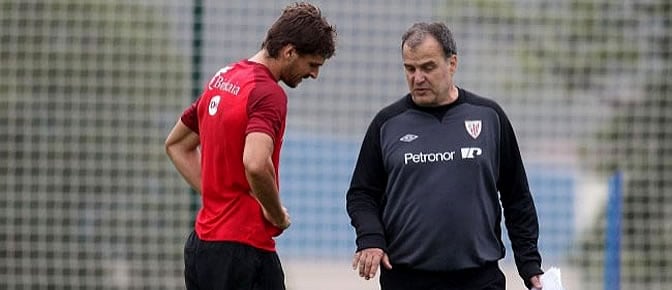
<point>313,74</point>
<point>418,77</point>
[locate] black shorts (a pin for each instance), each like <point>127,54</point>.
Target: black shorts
<point>230,265</point>
<point>487,277</point>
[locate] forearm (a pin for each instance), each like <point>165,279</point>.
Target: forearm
<point>264,188</point>
<point>519,211</point>
<point>523,228</point>
<point>521,221</point>
<point>188,164</point>
<point>363,199</point>
<point>261,176</point>
<point>364,215</point>
<point>182,147</point>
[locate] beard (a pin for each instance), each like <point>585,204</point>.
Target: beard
<point>293,82</point>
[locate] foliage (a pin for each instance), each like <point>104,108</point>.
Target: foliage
<point>83,87</point>
<point>589,53</point>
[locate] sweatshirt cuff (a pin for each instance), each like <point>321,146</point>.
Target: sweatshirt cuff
<point>371,241</point>
<point>528,271</point>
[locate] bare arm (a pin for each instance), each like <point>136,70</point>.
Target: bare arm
<point>260,174</point>
<point>182,147</point>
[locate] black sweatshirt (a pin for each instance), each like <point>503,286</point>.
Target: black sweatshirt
<point>428,183</point>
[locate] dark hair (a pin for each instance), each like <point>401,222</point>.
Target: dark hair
<point>417,33</point>
<point>302,25</point>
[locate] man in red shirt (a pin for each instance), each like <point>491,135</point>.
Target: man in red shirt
<point>227,144</point>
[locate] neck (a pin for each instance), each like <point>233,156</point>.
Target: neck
<point>453,94</point>
<point>269,62</point>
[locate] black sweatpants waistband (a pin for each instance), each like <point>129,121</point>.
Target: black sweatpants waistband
<point>402,277</point>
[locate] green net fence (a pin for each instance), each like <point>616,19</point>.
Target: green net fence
<point>90,89</point>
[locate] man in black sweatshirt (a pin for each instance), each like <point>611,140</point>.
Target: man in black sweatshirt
<point>432,170</point>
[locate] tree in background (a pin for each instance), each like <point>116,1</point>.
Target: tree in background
<point>638,141</point>
<point>619,53</point>
<point>86,87</point>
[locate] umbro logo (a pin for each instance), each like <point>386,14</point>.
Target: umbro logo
<point>408,138</point>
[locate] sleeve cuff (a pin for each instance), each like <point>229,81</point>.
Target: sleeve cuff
<point>528,271</point>
<point>371,241</point>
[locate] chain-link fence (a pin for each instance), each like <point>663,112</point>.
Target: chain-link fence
<point>90,89</point>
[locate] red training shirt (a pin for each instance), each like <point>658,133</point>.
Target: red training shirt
<point>239,99</point>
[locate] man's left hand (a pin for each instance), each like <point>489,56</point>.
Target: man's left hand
<point>536,282</point>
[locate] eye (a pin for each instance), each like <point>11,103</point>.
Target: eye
<point>428,67</point>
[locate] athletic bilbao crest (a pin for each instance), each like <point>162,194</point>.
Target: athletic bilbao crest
<point>473,128</point>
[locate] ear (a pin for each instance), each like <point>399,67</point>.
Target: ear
<point>452,63</point>
<point>288,52</point>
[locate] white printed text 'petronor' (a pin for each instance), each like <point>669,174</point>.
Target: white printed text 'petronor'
<point>428,157</point>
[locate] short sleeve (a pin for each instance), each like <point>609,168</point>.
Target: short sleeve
<point>267,110</point>
<point>190,117</point>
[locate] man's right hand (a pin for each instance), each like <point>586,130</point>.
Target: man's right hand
<point>368,261</point>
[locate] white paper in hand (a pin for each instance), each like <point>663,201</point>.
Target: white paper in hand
<point>551,280</point>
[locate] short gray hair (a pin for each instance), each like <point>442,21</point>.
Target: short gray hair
<point>418,31</point>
